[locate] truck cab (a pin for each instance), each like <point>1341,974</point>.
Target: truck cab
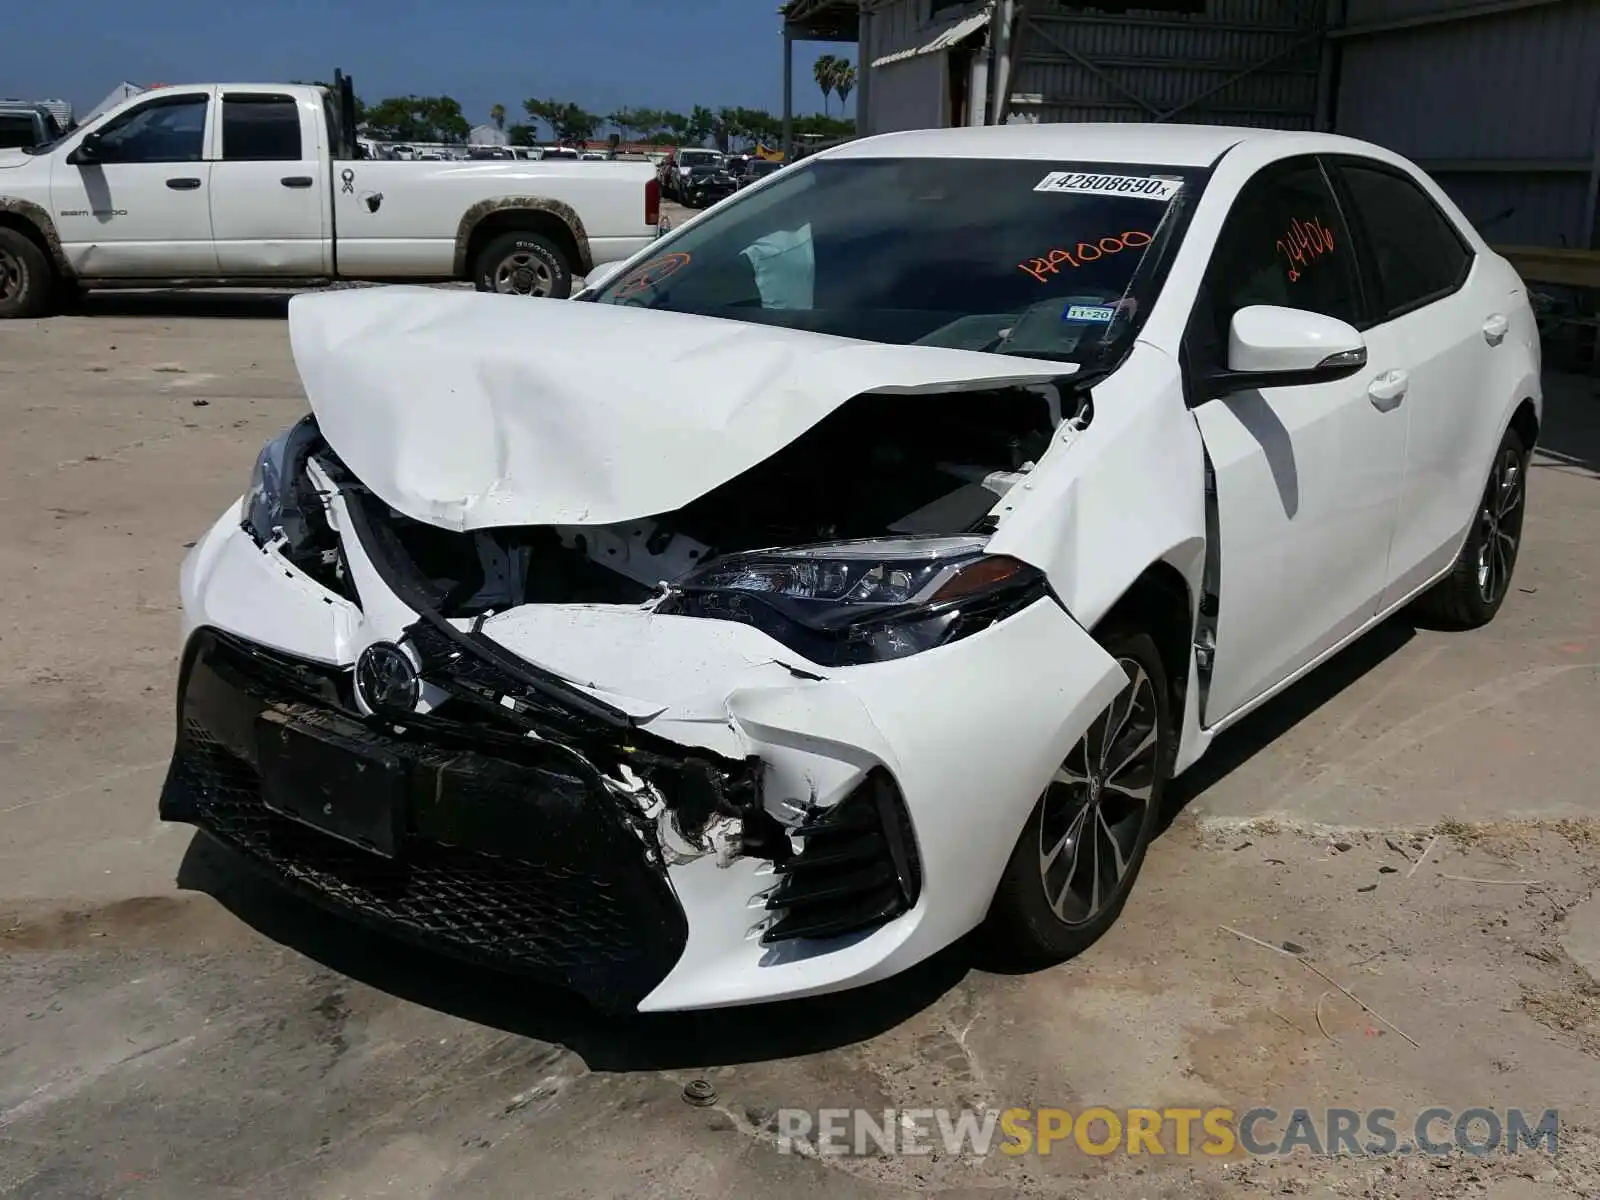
<point>263,184</point>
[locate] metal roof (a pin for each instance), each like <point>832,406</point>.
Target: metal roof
<point>822,20</point>
<point>942,41</point>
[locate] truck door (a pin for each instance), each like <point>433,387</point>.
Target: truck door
<point>132,199</point>
<point>269,187</point>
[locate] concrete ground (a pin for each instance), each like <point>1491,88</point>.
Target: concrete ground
<point>171,1029</point>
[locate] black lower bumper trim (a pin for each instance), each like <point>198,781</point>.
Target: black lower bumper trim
<point>514,857</point>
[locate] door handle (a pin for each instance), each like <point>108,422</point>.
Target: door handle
<point>1388,389</point>
<point>296,181</point>
<point>183,185</point>
<point>1495,328</point>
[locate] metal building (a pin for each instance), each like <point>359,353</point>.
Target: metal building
<point>1499,99</point>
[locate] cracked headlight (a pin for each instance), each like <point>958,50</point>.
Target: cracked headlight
<point>273,501</point>
<point>864,601</point>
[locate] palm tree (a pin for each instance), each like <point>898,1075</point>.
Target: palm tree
<point>497,114</point>
<point>844,82</point>
<point>826,73</point>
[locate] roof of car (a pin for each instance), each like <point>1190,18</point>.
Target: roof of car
<point>1166,144</point>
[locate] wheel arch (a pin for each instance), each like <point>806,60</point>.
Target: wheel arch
<point>1525,421</point>
<point>554,219</point>
<point>34,223</point>
<point>1161,603</point>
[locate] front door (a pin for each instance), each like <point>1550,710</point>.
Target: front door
<point>269,188</point>
<point>1307,479</point>
<point>141,208</point>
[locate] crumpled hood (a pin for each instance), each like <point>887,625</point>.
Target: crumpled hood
<point>469,411</point>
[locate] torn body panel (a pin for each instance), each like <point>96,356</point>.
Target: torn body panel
<point>967,764</point>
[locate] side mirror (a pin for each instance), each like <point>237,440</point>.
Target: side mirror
<point>87,150</point>
<point>1270,346</point>
<point>602,275</point>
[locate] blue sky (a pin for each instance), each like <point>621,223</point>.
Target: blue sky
<point>602,54</point>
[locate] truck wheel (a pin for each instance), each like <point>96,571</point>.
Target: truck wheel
<point>26,280</point>
<point>524,264</point>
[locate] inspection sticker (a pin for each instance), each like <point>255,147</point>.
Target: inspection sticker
<point>1103,314</point>
<point>1143,187</point>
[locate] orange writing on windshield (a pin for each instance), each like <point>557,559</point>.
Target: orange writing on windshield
<point>651,273</point>
<point>1084,252</point>
<point>1305,242</point>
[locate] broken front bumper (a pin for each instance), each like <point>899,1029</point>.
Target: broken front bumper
<point>509,855</point>
<point>950,748</point>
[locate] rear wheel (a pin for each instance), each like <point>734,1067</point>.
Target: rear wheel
<point>26,280</point>
<point>524,264</point>
<point>1084,843</point>
<point>1472,593</point>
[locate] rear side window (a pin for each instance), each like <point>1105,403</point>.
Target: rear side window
<point>1418,254</point>
<point>260,129</point>
<point>1285,244</point>
<point>17,132</point>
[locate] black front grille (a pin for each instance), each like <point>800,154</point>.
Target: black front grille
<point>505,859</point>
<point>857,869</point>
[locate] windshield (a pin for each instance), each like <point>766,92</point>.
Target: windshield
<point>698,158</point>
<point>1030,258</point>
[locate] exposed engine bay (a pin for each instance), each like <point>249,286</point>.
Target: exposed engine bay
<point>879,465</point>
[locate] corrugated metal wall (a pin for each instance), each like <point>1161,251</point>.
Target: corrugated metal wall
<point>1502,108</point>
<point>1241,62</point>
<point>914,92</point>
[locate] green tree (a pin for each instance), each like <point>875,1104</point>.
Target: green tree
<point>417,119</point>
<point>522,135</point>
<point>702,123</point>
<point>826,72</point>
<point>497,114</point>
<point>844,82</point>
<point>567,121</point>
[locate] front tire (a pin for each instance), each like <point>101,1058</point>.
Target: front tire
<point>27,283</point>
<point>524,264</point>
<point>1085,841</point>
<point>1472,593</point>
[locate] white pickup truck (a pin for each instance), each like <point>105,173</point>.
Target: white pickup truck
<point>244,185</point>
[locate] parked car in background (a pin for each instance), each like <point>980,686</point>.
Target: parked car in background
<point>757,169</point>
<point>675,169</point>
<point>258,184</point>
<point>689,665</point>
<point>706,184</point>
<point>24,126</point>
<point>552,153</point>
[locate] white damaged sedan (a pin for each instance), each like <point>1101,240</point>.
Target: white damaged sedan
<point>851,570</point>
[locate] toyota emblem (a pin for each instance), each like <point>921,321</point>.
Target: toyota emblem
<point>386,679</point>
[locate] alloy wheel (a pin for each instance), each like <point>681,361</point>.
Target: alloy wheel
<point>523,273</point>
<point>1500,525</point>
<point>1094,807</point>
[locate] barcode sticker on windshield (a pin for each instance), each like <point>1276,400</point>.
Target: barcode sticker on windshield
<point>1141,187</point>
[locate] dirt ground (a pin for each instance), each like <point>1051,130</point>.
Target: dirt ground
<point>169,1028</point>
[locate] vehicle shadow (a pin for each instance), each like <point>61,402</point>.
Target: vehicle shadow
<point>653,1042</point>
<point>1571,433</point>
<point>264,305</point>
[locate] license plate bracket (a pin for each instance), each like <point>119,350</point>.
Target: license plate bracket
<point>332,784</point>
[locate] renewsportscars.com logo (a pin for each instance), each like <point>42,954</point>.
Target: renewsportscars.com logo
<point>1180,1132</point>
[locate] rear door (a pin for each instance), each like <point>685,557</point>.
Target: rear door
<point>1306,478</point>
<point>1435,328</point>
<point>142,208</point>
<point>270,197</point>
